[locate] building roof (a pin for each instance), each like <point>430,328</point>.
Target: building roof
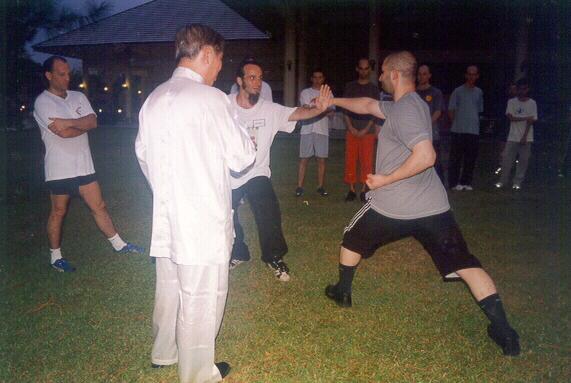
<point>157,22</point>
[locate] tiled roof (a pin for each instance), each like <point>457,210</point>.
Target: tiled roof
<point>157,21</point>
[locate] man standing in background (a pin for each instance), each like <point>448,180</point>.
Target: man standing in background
<point>64,118</point>
<point>464,108</point>
<point>314,137</point>
<point>433,97</point>
<point>361,132</point>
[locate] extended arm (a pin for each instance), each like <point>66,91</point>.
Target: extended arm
<point>320,106</point>
<point>360,105</point>
<point>422,157</point>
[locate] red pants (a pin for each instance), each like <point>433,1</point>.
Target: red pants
<point>362,149</point>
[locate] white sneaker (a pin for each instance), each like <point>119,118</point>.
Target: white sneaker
<point>468,188</point>
<point>499,185</point>
<point>458,187</point>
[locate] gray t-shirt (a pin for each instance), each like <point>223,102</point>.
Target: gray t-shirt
<point>408,123</point>
<point>433,97</point>
<point>467,104</point>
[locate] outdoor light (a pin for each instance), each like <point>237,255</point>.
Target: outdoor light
<point>100,110</point>
<point>105,88</point>
<point>82,85</point>
<point>119,110</point>
<point>125,85</point>
<point>139,91</point>
<point>22,108</point>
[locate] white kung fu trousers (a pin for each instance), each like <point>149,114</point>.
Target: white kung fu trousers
<point>189,302</point>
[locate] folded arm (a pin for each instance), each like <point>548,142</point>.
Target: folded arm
<point>72,127</point>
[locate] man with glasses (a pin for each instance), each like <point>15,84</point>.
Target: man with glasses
<point>361,132</point>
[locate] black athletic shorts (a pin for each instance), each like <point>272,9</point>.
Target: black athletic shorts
<point>70,186</point>
<point>439,234</point>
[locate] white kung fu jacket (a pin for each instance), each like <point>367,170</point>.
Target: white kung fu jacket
<point>189,139</point>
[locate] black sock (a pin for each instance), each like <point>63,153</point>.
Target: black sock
<point>346,274</point>
<point>494,310</point>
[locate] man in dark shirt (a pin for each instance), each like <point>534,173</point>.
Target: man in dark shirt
<point>361,132</point>
<point>433,97</point>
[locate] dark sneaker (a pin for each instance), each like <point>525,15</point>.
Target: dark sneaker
<point>342,299</point>
<point>130,248</point>
<point>63,266</point>
<point>350,196</point>
<point>322,192</point>
<point>280,269</point>
<point>363,197</point>
<point>299,192</point>
<point>508,340</point>
<point>224,368</point>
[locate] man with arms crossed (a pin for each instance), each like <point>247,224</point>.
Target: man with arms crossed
<point>314,137</point>
<point>263,120</point>
<point>407,199</point>
<point>64,118</point>
<point>522,113</point>
<point>188,141</point>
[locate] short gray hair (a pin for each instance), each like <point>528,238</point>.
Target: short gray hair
<point>191,38</point>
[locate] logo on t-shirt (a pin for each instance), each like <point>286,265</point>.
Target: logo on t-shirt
<point>428,98</point>
<point>78,110</point>
<point>253,127</point>
<point>519,110</point>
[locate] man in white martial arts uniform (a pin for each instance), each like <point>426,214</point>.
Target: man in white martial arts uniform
<point>189,140</point>
<point>263,120</point>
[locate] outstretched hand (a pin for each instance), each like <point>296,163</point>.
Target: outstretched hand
<point>325,99</point>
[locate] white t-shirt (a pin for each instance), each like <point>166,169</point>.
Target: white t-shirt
<point>265,92</point>
<point>319,124</point>
<point>262,122</point>
<point>65,157</point>
<point>519,108</point>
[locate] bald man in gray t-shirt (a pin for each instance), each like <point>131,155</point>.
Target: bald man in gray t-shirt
<point>407,199</point>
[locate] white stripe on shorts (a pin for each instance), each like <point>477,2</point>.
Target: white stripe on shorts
<point>358,216</point>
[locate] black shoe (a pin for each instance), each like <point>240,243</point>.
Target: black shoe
<point>298,191</point>
<point>508,340</point>
<point>363,197</point>
<point>322,192</point>
<point>224,368</point>
<point>350,196</point>
<point>280,269</point>
<point>153,365</point>
<point>342,299</point>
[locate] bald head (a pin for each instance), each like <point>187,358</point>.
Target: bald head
<point>404,62</point>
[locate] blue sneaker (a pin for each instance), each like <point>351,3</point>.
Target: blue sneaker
<point>63,266</point>
<point>130,248</point>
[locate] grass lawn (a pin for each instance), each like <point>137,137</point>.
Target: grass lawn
<point>94,325</point>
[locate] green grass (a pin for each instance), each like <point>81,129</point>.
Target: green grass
<point>406,325</point>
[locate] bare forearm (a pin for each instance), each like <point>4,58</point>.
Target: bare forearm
<point>436,115</point>
<point>83,123</point>
<point>304,113</point>
<point>360,105</point>
<point>422,158</point>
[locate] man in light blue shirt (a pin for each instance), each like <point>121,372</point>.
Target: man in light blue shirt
<point>466,104</point>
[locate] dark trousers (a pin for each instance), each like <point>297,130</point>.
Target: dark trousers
<point>264,204</point>
<point>463,154</point>
<point>438,163</point>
